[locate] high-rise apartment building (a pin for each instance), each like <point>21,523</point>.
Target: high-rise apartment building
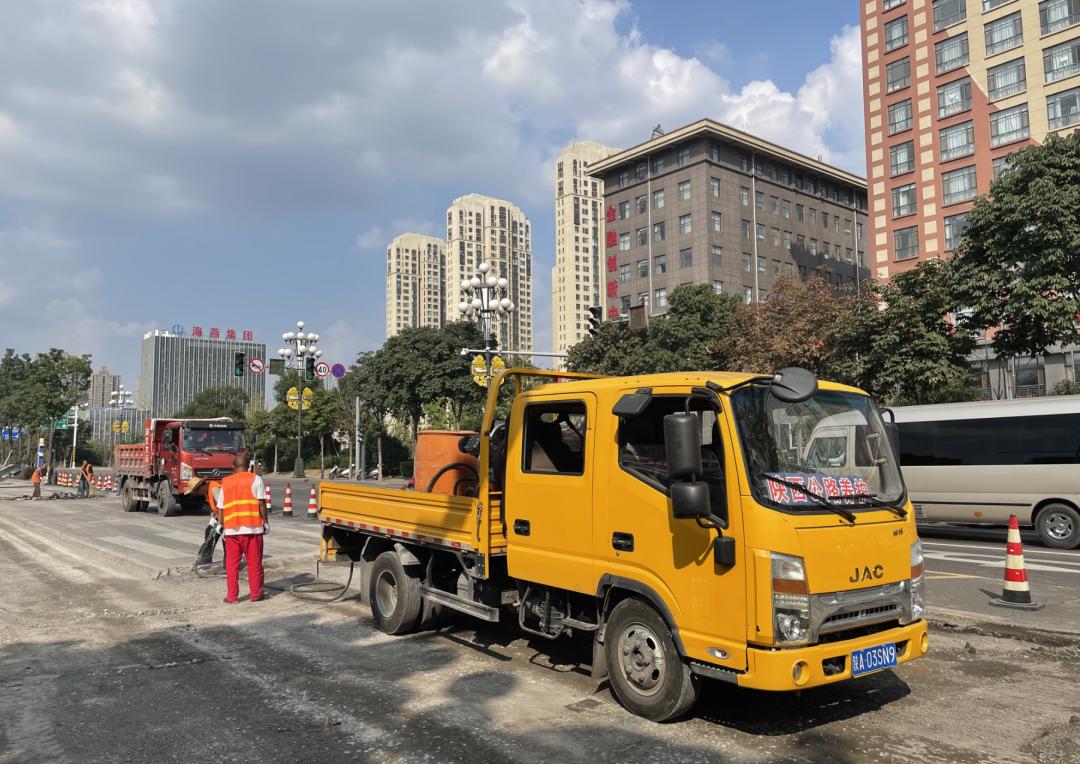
<point>415,282</point>
<point>102,384</point>
<point>708,204</point>
<point>483,229</point>
<point>952,88</point>
<point>174,368</point>
<point>576,281</point>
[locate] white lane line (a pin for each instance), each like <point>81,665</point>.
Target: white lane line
<point>152,549</point>
<point>1075,555</point>
<point>1027,556</point>
<point>968,560</point>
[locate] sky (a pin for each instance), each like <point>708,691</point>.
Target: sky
<point>242,164</point>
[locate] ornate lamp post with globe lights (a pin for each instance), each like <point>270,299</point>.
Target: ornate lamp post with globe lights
<point>484,296</point>
<point>299,351</point>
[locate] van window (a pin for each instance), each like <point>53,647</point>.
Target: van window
<point>1043,439</point>
<point>555,438</point>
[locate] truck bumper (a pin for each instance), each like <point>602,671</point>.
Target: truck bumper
<point>801,667</point>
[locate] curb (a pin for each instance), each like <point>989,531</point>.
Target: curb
<point>964,622</point>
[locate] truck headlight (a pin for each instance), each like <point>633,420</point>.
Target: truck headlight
<point>186,473</point>
<point>791,600</point>
<point>918,604</point>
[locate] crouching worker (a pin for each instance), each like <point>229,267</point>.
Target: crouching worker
<point>243,515</point>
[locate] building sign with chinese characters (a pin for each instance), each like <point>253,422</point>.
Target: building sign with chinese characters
<point>216,333</point>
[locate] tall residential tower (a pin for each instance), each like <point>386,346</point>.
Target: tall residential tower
<point>484,229</point>
<point>415,282</point>
<point>579,230</point>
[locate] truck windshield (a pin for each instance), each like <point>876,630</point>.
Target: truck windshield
<point>834,444</point>
<point>213,441</point>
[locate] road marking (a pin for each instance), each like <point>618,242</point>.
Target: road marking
<point>989,546</point>
<point>998,563</point>
<point>1000,558</point>
<point>932,575</point>
<point>151,549</point>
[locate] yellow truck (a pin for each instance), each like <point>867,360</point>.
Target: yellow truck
<point>751,529</point>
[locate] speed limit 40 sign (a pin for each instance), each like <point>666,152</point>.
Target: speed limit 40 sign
<point>322,368</point>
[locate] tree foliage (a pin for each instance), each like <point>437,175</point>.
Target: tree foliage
<point>214,402</point>
<point>1018,266</point>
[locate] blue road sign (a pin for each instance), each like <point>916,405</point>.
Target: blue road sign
<point>5,433</point>
<point>338,370</point>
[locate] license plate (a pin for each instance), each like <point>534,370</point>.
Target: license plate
<point>871,659</point>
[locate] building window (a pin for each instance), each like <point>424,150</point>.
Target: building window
<point>858,231</point>
<point>641,171</point>
<point>1001,165</point>
<point>906,243</point>
<point>746,262</point>
<point>787,240</point>
<point>888,5</point>
<point>958,185</point>
<point>1009,125</point>
<point>642,204</point>
<point>799,212</point>
<point>643,299</point>
<point>642,236</point>
<point>1055,15</point>
<point>813,215</point>
<point>717,255</point>
<point>897,75</point>
<point>813,246</point>
<point>776,237</point>
<point>718,287</point>
<point>954,98</point>
<point>759,201</point>
<point>686,257</point>
<point>1004,34</point>
<point>716,220</point>
<point>624,242</point>
<point>661,298</point>
<point>955,225</point>
<point>684,190</point>
<point>948,12</point>
<point>1063,109</point>
<point>658,165</point>
<point>762,264</point>
<point>658,199</point>
<point>745,228</point>
<point>624,305</point>
<point>744,196</point>
<point>624,178</point>
<point>774,204</point>
<point>683,157</point>
<point>951,53</point>
<point>714,187</point>
<point>900,116</point>
<point>989,5</point>
<point>643,269</point>
<point>660,264</point>
<point>902,157</point>
<point>684,224</point>
<point>896,35</point>
<point>1007,79</point>
<point>748,295</point>
<point>785,208</point>
<point>1062,61</point>
<point>624,210</point>
<point>624,272</point>
<point>957,140</point>
<point>659,231</point>
<point>760,232</point>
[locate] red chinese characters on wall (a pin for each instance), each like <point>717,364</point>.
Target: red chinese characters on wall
<point>613,312</point>
<point>611,214</point>
<point>215,333</point>
<point>612,264</point>
<point>612,239</point>
<point>248,335</point>
<point>196,331</point>
<point>612,289</point>
<point>230,334</point>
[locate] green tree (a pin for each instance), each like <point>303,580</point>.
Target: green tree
<point>1018,266</point>
<point>214,402</point>
<point>897,344</point>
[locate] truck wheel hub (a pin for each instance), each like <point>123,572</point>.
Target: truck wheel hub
<point>642,659</point>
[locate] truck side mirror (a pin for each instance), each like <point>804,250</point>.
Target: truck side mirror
<point>689,500</point>
<point>682,446</point>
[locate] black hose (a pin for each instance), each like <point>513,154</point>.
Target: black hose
<point>318,586</point>
<point>447,468</point>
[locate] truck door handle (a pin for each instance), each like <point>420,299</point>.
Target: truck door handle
<point>522,527</point>
<point>624,542</point>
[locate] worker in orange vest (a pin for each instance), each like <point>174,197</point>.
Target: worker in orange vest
<point>86,479</point>
<point>242,501</point>
<point>36,480</point>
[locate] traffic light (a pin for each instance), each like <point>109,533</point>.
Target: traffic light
<point>309,369</point>
<point>238,364</point>
<point>596,317</point>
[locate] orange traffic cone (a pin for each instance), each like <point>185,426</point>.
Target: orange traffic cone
<point>269,506</point>
<point>312,506</point>
<point>286,509</point>
<point>1015,592</point>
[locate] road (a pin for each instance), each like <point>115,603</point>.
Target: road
<point>108,652</point>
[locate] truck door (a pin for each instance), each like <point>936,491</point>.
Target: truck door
<point>549,496</point>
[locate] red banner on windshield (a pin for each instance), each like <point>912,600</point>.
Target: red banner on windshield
<point>834,487</point>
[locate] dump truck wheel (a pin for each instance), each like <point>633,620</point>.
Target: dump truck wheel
<point>167,503</point>
<point>646,672</point>
<point>127,498</point>
<point>394,595</point>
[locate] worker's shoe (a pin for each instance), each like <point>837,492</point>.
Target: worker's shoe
<point>228,601</point>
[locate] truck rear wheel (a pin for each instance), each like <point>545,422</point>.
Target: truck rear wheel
<point>167,503</point>
<point>394,595</point>
<point>127,498</point>
<point>646,672</point>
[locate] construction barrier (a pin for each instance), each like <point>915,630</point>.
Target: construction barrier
<point>286,509</point>
<point>269,506</point>
<point>1015,591</point>
<point>312,506</point>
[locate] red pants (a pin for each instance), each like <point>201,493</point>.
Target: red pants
<point>251,547</point>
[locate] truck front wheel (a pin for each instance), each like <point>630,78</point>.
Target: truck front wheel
<point>167,503</point>
<point>646,672</point>
<point>394,595</point>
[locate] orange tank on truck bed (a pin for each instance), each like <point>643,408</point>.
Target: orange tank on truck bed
<point>172,452</point>
<point>750,529</point>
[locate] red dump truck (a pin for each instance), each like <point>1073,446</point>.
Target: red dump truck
<point>172,452</point>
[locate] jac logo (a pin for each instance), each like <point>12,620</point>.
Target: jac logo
<point>867,574</point>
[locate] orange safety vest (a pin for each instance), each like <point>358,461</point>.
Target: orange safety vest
<point>241,508</point>
<point>36,477</point>
<point>88,471</point>
<point>211,486</point>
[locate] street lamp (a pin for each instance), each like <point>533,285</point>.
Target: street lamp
<point>299,347</point>
<point>118,399</point>
<point>481,301</point>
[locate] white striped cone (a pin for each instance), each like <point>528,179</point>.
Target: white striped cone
<point>312,506</point>
<point>269,506</point>
<point>286,510</point>
<point>1015,592</point>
